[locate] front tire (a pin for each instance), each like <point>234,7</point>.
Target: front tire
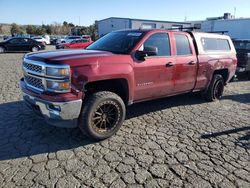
<point>102,115</point>
<point>215,89</point>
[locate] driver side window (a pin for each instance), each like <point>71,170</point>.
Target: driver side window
<point>160,41</point>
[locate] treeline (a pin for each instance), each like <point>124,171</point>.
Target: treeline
<point>50,29</point>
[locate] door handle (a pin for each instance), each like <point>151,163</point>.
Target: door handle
<point>191,63</point>
<point>169,64</point>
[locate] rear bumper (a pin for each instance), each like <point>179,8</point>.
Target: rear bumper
<point>60,114</point>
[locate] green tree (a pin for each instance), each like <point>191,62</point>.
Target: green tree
<point>48,29</point>
<point>31,29</point>
<point>93,31</point>
<point>65,23</point>
<point>71,25</point>
<point>22,30</point>
<point>15,29</point>
<point>40,31</point>
<point>1,29</point>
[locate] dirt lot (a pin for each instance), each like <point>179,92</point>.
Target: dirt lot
<point>179,142</point>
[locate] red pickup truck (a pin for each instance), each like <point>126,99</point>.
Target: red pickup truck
<point>91,88</point>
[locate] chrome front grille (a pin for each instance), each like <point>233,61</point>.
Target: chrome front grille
<point>34,82</point>
<point>33,67</point>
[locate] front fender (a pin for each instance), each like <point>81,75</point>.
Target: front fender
<point>96,72</point>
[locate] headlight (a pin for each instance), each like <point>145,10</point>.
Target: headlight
<point>248,54</point>
<point>57,72</point>
<point>56,86</point>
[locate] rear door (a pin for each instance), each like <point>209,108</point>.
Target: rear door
<point>154,75</point>
<point>185,63</point>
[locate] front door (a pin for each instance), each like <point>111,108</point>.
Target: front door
<point>154,75</point>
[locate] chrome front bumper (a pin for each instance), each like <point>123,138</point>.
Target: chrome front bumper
<point>60,114</point>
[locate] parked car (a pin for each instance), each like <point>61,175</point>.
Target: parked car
<point>87,37</point>
<point>79,43</point>
<point>243,54</point>
<point>53,40</point>
<point>67,39</point>
<point>41,39</point>
<point>21,44</point>
<point>91,88</point>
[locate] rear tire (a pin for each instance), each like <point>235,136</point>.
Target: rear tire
<point>2,49</point>
<point>102,115</point>
<point>215,89</point>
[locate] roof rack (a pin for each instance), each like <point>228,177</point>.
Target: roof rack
<point>183,28</point>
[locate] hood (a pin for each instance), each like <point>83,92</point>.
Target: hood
<point>59,56</point>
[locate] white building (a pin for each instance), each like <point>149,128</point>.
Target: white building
<point>114,23</point>
<point>235,28</point>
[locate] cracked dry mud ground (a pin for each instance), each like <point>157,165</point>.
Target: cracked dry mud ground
<point>179,141</point>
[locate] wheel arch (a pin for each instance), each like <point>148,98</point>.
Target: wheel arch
<point>118,86</point>
<point>224,73</point>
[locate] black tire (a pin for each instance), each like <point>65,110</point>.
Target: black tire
<point>102,115</point>
<point>215,89</point>
<point>2,49</point>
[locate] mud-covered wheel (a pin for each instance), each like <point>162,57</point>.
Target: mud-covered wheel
<point>215,89</point>
<point>102,115</point>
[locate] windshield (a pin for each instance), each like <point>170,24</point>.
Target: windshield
<point>242,45</point>
<point>120,42</point>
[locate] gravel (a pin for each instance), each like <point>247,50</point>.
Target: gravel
<point>179,141</point>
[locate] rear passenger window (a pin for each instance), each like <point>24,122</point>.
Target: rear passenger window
<point>182,45</point>
<point>214,44</point>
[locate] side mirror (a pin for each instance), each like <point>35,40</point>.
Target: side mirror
<point>147,51</point>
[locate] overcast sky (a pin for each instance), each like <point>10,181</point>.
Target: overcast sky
<point>86,12</point>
